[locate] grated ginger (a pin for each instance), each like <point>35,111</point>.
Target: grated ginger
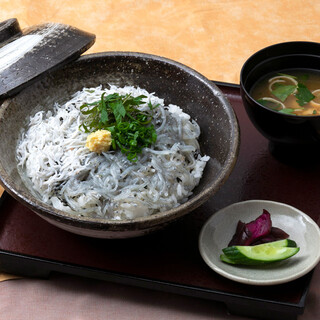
<point>99,141</point>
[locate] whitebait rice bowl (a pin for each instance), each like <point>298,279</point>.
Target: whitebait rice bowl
<point>61,171</point>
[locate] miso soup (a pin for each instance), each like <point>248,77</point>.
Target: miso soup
<point>291,91</point>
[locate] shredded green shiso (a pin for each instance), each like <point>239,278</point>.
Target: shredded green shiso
<point>131,128</point>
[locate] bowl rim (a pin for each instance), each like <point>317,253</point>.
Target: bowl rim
<point>107,224</point>
<point>262,51</point>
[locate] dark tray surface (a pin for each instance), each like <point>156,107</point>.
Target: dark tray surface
<point>170,259</point>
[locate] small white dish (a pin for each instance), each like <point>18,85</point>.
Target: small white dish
<point>220,227</point>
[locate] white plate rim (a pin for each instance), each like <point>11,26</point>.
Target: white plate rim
<point>252,281</point>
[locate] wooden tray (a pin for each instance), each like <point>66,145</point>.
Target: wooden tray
<point>169,260</point>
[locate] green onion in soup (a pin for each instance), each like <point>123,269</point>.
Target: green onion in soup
<point>295,92</point>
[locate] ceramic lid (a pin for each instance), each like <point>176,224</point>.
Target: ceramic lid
<point>26,55</point>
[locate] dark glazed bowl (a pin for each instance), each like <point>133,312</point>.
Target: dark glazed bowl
<point>289,135</point>
<point>170,80</point>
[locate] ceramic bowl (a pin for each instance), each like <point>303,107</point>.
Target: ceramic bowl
<point>170,80</point>
<point>220,227</point>
<point>287,133</point>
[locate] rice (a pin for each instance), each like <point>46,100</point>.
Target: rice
<point>62,172</point>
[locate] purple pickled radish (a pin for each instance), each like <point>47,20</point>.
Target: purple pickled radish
<point>279,233</point>
<point>247,233</point>
<point>240,235</point>
<point>259,227</point>
<point>274,235</point>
